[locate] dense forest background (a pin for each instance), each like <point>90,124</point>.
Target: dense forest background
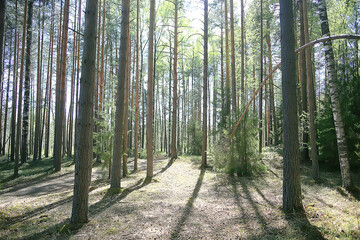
<point>190,78</point>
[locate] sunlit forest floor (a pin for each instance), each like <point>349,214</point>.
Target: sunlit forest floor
<point>182,202</point>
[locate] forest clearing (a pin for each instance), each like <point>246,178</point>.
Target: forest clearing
<point>179,119</point>
<point>183,201</point>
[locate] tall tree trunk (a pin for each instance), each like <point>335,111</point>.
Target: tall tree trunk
<point>291,169</point>
<point>83,154</point>
<point>18,127</point>
<point>205,86</point>
<point>334,97</point>
<point>223,103</point>
<point>311,98</point>
<point>51,54</point>
<point>149,119</point>
<point>126,107</point>
<point>303,77</point>
<point>233,71</point>
<point>60,109</point>
<point>227,67</point>
<point>261,78</point>
<point>174,113</point>
<point>2,37</point>
<point>242,54</point>
<point>7,95</point>
<point>25,115</point>
<point>137,87</point>
<point>38,95</point>
<point>119,118</point>
<point>14,95</point>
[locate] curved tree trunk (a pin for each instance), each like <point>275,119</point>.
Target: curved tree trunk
<point>334,97</point>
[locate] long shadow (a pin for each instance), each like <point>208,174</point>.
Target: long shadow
<point>237,200</point>
<point>300,222</point>
<point>189,206</point>
<point>9,221</point>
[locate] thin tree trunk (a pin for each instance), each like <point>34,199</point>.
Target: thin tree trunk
<point>38,97</point>
<point>137,87</point>
<point>25,114</point>
<point>7,95</point>
<point>174,113</point>
<point>149,119</point>
<point>60,113</point>
<point>126,108</point>
<point>242,54</point>
<point>233,71</point>
<point>291,169</point>
<point>311,98</point>
<point>205,85</point>
<point>119,118</point>
<point>303,77</point>
<point>14,95</point>
<point>335,102</point>
<point>83,155</point>
<point>261,78</point>
<point>227,67</point>
<point>18,127</point>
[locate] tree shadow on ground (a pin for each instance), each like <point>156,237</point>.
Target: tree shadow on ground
<point>189,206</point>
<point>297,222</point>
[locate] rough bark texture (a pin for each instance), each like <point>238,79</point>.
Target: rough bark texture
<point>303,79</point>
<point>334,97</point>
<point>174,113</point>
<point>137,88</point>
<point>311,99</point>
<point>233,76</point>
<point>205,88</point>
<point>2,36</point>
<point>149,119</point>
<point>60,102</point>
<point>18,127</point>
<point>261,77</point>
<point>291,169</point>
<point>119,117</point>
<point>227,65</point>
<point>84,129</point>
<point>25,115</point>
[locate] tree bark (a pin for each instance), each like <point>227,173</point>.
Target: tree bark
<point>227,67</point>
<point>311,98</point>
<point>18,127</point>
<point>83,156</point>
<point>119,118</point>
<point>174,113</point>
<point>261,78</point>
<point>291,169</point>
<point>25,115</point>
<point>149,119</point>
<point>2,37</point>
<point>205,90</point>
<point>334,97</point>
<point>233,71</point>
<point>137,87</point>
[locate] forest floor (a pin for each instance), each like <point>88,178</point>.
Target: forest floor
<point>181,202</point>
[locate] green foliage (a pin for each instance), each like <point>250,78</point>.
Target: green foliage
<point>350,107</point>
<point>241,155</point>
<point>195,135</point>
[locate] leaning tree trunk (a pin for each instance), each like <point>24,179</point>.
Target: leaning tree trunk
<point>83,154</point>
<point>334,97</point>
<point>119,118</point>
<point>291,180</point>
<point>25,115</point>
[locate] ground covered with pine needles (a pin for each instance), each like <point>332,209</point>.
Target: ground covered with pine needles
<point>181,202</point>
